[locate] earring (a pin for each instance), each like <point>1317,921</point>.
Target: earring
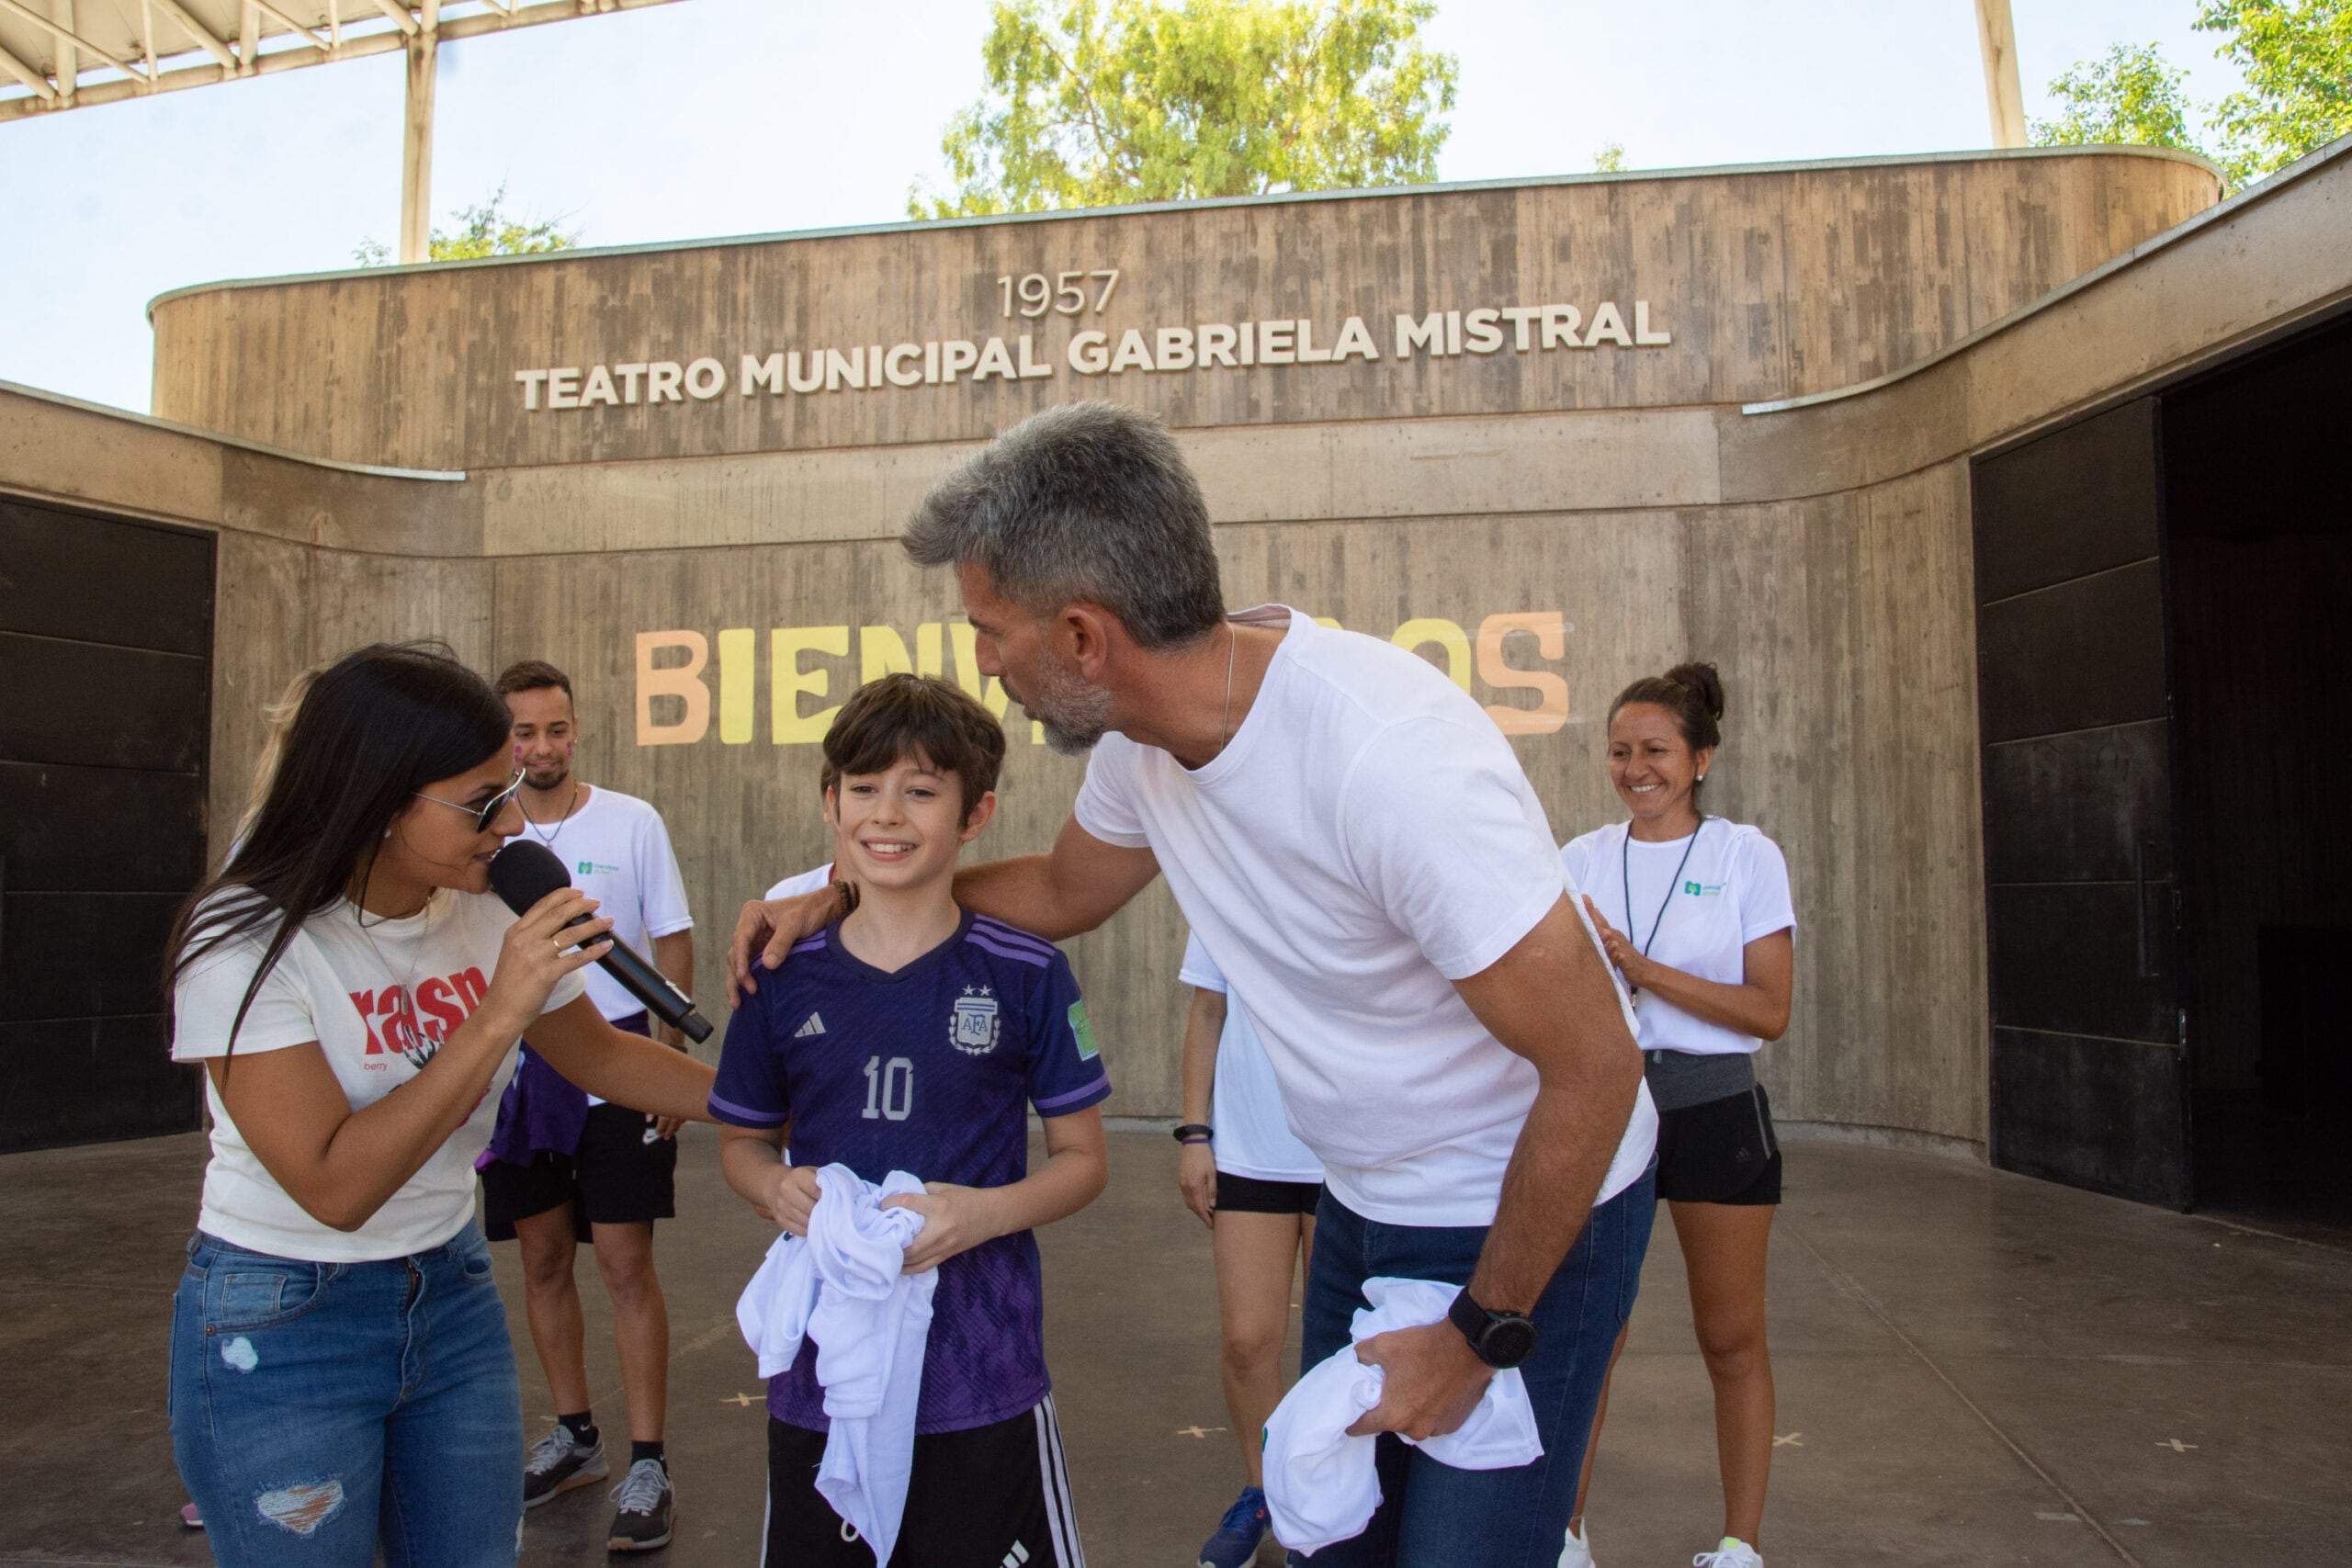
<point>1703,779</point>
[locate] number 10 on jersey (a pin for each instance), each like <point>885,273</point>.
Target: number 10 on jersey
<point>889,1089</point>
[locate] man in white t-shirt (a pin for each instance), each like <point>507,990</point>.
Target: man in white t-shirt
<point>566,1168</point>
<point>1359,853</point>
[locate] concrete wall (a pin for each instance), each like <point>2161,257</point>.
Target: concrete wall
<point>1820,554</point>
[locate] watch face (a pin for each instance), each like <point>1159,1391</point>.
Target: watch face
<point>1509,1340</point>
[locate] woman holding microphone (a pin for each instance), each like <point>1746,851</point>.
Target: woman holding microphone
<point>342,1379</point>
<point>1695,913</point>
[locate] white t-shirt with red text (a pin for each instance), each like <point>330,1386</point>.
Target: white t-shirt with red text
<point>378,999</point>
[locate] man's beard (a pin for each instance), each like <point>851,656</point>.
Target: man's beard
<point>555,779</point>
<point>1075,715</point>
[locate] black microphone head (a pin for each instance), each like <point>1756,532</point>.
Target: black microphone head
<point>524,871</point>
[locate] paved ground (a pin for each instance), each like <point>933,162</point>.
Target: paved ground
<point>1974,1369</point>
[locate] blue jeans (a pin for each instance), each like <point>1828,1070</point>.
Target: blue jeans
<point>1432,1515</point>
<point>322,1410</point>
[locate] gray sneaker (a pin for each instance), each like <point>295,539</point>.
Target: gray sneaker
<point>644,1505</point>
<point>558,1462</point>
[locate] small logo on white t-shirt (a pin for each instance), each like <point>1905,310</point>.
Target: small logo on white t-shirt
<point>816,1025</point>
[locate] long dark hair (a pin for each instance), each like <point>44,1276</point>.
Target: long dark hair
<point>376,725</point>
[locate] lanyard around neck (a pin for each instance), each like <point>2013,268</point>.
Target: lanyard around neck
<point>1625,867</point>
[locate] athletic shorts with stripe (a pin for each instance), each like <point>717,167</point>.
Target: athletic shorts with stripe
<point>993,1496</point>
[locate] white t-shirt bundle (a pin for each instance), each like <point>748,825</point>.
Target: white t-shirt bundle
<point>1365,839</point>
<point>1253,1137</point>
<point>617,851</point>
<point>1733,888</point>
<point>1323,1485</point>
<point>378,997</point>
<point>844,1283</point>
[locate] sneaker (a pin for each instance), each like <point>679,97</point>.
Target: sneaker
<point>1238,1533</point>
<point>1578,1552</point>
<point>1733,1553</point>
<point>558,1462</point>
<point>189,1517</point>
<point>644,1505</point>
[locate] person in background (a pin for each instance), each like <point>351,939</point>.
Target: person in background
<point>564,1166</point>
<point>343,1382</point>
<point>1250,1180</point>
<point>1695,913</point>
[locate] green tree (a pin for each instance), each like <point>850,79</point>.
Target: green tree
<point>2131,97</point>
<point>1093,103</point>
<point>2297,56</point>
<point>487,229</point>
<point>1611,159</point>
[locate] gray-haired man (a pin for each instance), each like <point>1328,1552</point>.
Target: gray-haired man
<point>1357,848</point>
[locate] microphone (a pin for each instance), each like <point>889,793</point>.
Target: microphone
<point>526,871</point>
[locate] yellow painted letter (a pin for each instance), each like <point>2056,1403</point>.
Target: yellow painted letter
<point>786,681</point>
<point>1551,709</point>
<point>682,682</point>
<point>1447,636</point>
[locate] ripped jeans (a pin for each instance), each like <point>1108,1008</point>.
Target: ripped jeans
<point>320,1411</point>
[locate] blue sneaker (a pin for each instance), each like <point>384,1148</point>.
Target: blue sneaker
<point>1235,1545</point>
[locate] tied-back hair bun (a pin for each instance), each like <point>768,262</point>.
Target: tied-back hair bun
<point>1692,692</point>
<point>1702,682</point>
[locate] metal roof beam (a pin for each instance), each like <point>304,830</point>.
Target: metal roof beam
<point>399,14</point>
<point>205,38</point>
<point>27,75</point>
<point>66,35</point>
<point>290,25</point>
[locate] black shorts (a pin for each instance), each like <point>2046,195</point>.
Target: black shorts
<point>620,1175</point>
<point>1722,1151</point>
<point>1250,1195</point>
<point>979,1498</point>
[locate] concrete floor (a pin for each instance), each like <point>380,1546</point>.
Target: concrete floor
<point>1974,1367</point>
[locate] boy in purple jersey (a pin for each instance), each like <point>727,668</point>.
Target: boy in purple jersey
<point>913,1035</point>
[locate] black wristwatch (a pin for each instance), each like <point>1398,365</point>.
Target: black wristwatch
<point>1501,1339</point>
<point>1192,1129</point>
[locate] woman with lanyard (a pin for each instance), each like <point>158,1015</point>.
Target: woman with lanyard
<point>1695,914</point>
<point>342,1379</point>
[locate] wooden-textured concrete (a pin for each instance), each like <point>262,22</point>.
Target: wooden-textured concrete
<point>1973,1369</point>
<point>1775,282</point>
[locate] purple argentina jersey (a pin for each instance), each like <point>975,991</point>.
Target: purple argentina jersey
<point>929,1070</point>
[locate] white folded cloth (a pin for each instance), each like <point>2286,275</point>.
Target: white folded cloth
<point>844,1285</point>
<point>1322,1485</point>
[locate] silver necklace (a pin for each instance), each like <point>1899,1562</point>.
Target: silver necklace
<point>570,806</point>
<point>1232,640</point>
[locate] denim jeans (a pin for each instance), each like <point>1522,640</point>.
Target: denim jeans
<point>1432,1515</point>
<point>322,1410</point>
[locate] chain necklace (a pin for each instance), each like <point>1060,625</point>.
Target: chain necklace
<point>570,806</point>
<point>412,1046</point>
<point>1625,871</point>
<point>1225,729</point>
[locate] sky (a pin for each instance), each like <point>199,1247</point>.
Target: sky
<point>744,116</point>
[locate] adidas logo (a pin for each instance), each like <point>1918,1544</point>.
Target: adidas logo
<point>816,1025</point>
<point>1017,1556</point>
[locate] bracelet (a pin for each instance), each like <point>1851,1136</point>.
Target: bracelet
<point>1194,1133</point>
<point>847,892</point>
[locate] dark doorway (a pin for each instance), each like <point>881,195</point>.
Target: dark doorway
<point>2087,1064</point>
<point>105,643</point>
<point>2258,536</point>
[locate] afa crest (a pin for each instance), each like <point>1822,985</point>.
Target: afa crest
<point>972,1024</point>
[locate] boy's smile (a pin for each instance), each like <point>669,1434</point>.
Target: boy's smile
<point>902,828</point>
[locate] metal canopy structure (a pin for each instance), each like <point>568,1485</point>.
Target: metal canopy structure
<point>66,54</point>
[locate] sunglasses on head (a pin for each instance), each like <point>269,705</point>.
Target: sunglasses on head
<point>487,811</point>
